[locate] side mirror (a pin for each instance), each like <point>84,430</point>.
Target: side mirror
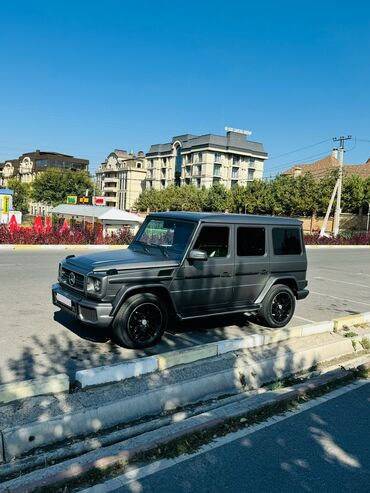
<point>197,255</point>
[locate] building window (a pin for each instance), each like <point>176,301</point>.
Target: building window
<point>164,161</point>
<point>187,181</point>
<point>217,157</point>
<point>200,156</point>
<point>217,169</point>
<point>252,162</point>
<point>236,160</point>
<point>250,174</point>
<point>151,162</point>
<point>251,242</point>
<point>235,173</point>
<point>197,182</point>
<point>41,163</point>
<point>216,180</point>
<point>188,170</point>
<point>197,170</point>
<point>286,241</point>
<point>234,183</point>
<point>163,183</point>
<point>178,166</point>
<point>163,172</point>
<point>138,165</point>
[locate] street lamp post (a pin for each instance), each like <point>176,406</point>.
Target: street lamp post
<point>368,217</point>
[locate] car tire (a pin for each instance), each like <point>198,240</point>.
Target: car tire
<point>277,307</point>
<point>140,322</point>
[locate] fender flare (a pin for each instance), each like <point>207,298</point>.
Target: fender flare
<point>126,292</point>
<point>272,282</point>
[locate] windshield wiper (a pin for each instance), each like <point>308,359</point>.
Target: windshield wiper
<point>143,245</point>
<point>162,249</point>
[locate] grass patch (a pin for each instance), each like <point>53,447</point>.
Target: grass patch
<point>350,334</point>
<point>365,343</point>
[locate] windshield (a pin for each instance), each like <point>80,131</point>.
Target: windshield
<point>168,236</point>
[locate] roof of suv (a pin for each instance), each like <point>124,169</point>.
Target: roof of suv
<point>216,217</point>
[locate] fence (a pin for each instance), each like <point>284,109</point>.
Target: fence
<point>348,222</point>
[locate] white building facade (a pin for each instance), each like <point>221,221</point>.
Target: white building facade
<point>204,160</point>
<point>121,178</point>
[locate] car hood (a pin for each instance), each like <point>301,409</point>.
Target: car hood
<point>125,259</point>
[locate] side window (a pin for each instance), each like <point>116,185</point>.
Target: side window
<point>213,240</point>
<point>251,242</point>
<point>287,241</point>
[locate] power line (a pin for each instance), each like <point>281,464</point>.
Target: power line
<point>298,161</point>
<point>300,149</point>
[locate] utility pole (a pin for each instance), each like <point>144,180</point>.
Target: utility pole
<point>337,190</point>
<point>340,179</point>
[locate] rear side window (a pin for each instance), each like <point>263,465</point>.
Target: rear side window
<point>214,241</point>
<point>286,241</point>
<point>251,242</point>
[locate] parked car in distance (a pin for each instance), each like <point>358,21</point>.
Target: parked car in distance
<point>187,265</point>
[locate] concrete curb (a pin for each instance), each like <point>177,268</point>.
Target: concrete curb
<point>29,388</point>
<point>121,371</point>
<point>114,247</point>
<point>62,247</point>
<point>339,247</point>
<point>20,440</point>
<point>360,318</point>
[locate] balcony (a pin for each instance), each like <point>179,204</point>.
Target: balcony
<point>110,189</point>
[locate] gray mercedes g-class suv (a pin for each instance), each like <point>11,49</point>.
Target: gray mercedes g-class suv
<point>187,265</point>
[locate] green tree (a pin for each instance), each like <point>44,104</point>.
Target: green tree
<point>22,194</point>
<point>353,193</point>
<point>54,185</point>
<point>217,199</point>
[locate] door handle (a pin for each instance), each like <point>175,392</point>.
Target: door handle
<point>263,271</point>
<point>226,274</point>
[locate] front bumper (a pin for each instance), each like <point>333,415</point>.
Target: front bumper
<point>302,294</point>
<point>88,311</point>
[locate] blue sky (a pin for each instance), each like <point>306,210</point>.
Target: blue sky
<point>85,77</point>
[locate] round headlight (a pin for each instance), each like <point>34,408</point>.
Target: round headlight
<point>97,285</point>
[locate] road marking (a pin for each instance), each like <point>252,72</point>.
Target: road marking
<point>343,282</point>
<point>341,299</point>
<point>345,272</point>
<point>304,319</point>
<point>134,474</point>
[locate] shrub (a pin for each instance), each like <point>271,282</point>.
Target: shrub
<point>76,236</point>
<point>342,239</point>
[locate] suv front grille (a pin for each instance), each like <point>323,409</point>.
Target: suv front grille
<point>73,279</point>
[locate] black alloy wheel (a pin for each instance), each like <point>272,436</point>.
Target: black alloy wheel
<point>281,307</point>
<point>277,307</point>
<point>140,321</point>
<point>144,323</point>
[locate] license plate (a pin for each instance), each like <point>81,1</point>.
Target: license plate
<point>63,299</point>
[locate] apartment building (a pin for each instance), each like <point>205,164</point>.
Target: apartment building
<point>121,178</point>
<point>26,167</point>
<point>204,160</point>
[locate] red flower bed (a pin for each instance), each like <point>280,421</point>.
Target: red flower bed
<point>343,239</point>
<point>59,236</point>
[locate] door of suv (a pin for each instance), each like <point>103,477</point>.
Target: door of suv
<point>252,266</point>
<point>207,285</point>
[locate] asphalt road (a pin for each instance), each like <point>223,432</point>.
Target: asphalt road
<point>322,449</point>
<point>38,339</point>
